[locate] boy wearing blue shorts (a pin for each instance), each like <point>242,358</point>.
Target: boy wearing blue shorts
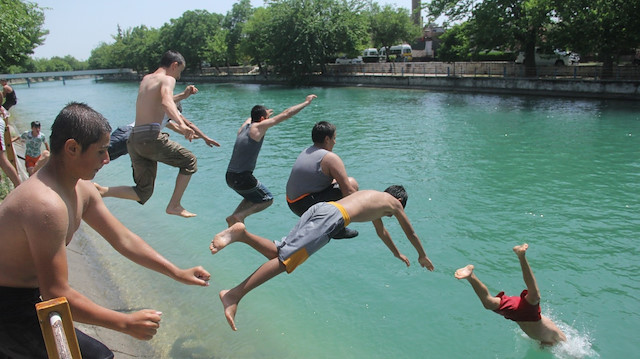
<point>256,196</point>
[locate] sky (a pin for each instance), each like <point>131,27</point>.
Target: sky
<point>78,26</point>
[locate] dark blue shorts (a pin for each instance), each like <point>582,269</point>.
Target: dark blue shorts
<point>246,185</point>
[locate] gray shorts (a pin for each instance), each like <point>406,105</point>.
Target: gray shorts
<point>314,230</point>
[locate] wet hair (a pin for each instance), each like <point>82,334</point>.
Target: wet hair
<point>35,124</point>
<point>398,192</point>
<point>170,57</point>
<point>321,130</point>
<point>258,111</point>
<point>80,122</point>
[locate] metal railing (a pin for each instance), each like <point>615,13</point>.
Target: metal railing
<point>483,69</point>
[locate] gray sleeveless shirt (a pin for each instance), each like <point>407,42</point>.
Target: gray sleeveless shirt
<point>306,175</point>
<point>245,152</point>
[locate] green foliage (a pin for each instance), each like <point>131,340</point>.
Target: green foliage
<point>190,33</point>
<point>607,28</point>
<point>390,26</point>
<point>305,34</point>
<point>454,44</point>
<point>255,41</point>
<point>233,25</point>
<point>514,24</point>
<point>20,31</point>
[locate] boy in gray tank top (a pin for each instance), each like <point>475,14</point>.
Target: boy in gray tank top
<point>239,176</point>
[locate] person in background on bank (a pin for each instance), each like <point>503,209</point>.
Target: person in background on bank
<point>34,157</point>
<point>256,196</point>
<point>525,309</point>
<point>38,220</point>
<point>319,175</point>
<point>147,145</point>
<point>9,95</point>
<point>5,164</point>
<point>314,230</point>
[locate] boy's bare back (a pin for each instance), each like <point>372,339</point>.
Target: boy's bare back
<point>369,205</point>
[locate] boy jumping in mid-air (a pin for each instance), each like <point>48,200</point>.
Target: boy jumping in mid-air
<point>525,309</point>
<point>315,228</point>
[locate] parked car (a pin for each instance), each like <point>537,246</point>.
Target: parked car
<point>345,60</point>
<point>557,58</point>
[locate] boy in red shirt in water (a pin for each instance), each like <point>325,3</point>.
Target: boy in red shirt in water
<point>525,309</point>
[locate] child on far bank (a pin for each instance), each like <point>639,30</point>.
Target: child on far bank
<point>34,157</point>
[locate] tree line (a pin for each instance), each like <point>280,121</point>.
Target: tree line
<point>298,37</point>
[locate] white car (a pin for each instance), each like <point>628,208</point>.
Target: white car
<point>557,58</point>
<point>344,60</point>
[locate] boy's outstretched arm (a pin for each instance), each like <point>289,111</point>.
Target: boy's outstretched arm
<point>413,238</point>
<point>382,232</point>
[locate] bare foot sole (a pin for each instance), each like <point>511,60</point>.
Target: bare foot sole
<point>521,249</point>
<point>226,237</point>
<point>464,272</point>
<point>101,189</point>
<point>179,211</point>
<point>230,309</point>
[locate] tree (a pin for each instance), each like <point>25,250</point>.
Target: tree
<point>603,27</point>
<point>454,44</point>
<point>234,23</point>
<point>20,31</point>
<point>391,25</point>
<point>305,34</point>
<point>255,40</point>
<point>517,24</point>
<point>190,33</point>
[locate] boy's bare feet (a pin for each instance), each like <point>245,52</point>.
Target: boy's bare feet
<point>464,272</point>
<point>226,237</point>
<point>521,249</point>
<point>230,308</point>
<point>231,220</point>
<point>180,211</point>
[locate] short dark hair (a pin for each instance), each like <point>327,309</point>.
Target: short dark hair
<point>35,124</point>
<point>258,111</point>
<point>398,192</point>
<point>80,122</point>
<point>170,57</point>
<point>321,130</point>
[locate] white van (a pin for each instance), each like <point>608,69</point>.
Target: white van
<point>370,55</point>
<point>402,52</point>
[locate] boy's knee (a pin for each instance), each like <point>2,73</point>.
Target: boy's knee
<point>144,193</point>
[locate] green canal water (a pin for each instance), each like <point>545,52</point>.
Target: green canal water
<point>483,173</point>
